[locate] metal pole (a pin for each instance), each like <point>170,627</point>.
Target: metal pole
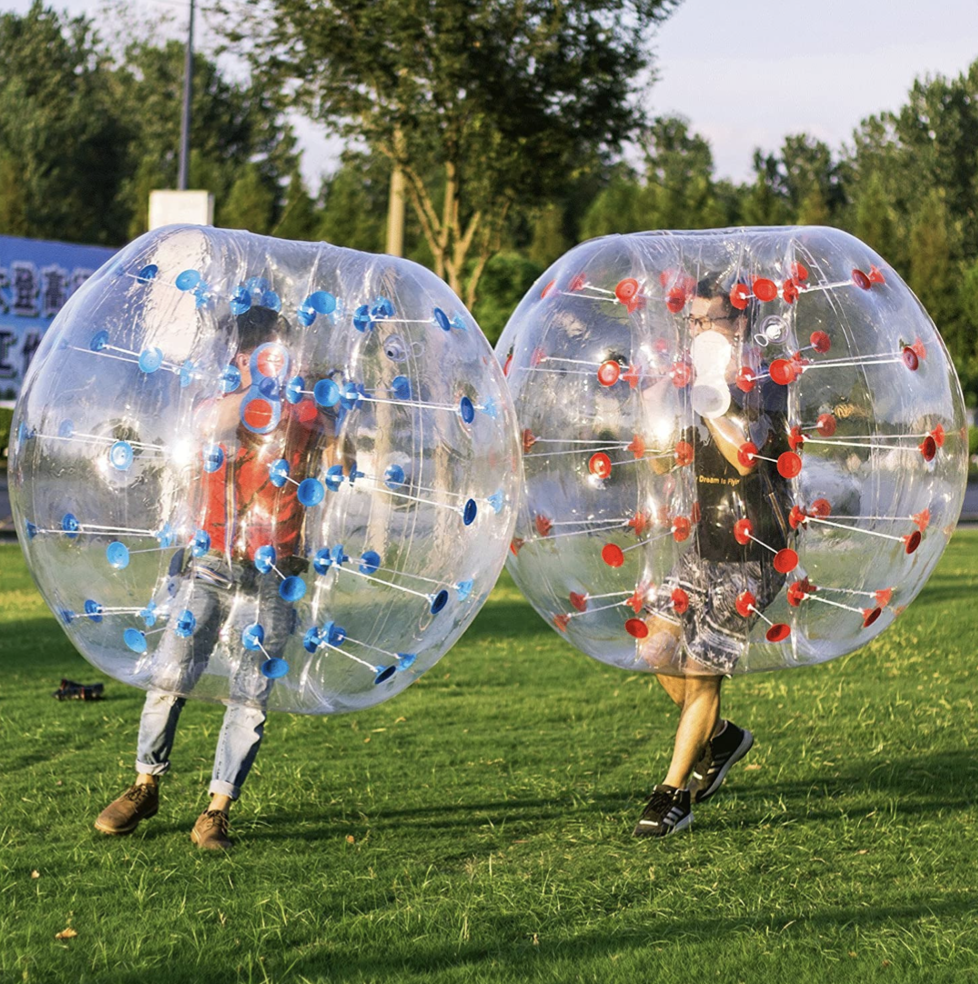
<point>188,72</point>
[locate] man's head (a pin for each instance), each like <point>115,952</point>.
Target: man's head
<point>253,328</point>
<point>711,310</point>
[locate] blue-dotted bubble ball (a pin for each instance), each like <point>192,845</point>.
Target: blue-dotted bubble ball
<point>244,469</point>
<point>743,449</point>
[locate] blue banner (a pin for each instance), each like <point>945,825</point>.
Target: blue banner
<point>36,279</point>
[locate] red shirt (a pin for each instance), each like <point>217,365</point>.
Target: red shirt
<point>242,507</point>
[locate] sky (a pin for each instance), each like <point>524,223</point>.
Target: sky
<point>746,73</point>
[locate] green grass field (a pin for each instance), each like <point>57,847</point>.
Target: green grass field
<point>478,827</point>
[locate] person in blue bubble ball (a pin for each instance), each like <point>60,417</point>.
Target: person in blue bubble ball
<point>247,522</point>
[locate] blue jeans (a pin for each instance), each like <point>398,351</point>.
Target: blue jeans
<point>208,590</point>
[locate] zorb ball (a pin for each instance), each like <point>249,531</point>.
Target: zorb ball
<point>752,440</point>
<point>245,469</point>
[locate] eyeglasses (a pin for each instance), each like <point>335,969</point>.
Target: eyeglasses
<point>699,323</point>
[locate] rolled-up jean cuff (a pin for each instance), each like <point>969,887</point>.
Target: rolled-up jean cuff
<point>219,787</point>
<point>157,769</point>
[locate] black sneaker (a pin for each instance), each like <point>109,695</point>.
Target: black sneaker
<point>728,747</point>
<point>667,812</point>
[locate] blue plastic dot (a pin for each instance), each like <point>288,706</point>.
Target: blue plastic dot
<point>253,636</point>
<point>70,525</point>
<point>361,318</point>
<point>322,301</point>
<point>117,554</point>
<point>264,559</point>
<point>22,433</point>
<point>31,529</point>
<point>466,409</point>
<point>350,395</point>
<point>322,562</point>
<point>292,589</point>
<point>463,589</point>
<point>99,340</point>
<point>147,273</point>
<point>470,511</point>
<point>305,315</point>
<point>334,477</point>
<point>496,500</point>
<point>121,455</point>
<point>148,615</point>
<point>187,372</point>
<point>394,477</point>
<point>66,615</point>
<point>326,393</point>
<point>185,624</point>
<point>383,308</point>
<point>312,640</point>
<point>406,660</point>
<point>311,492</point>
<point>66,428</point>
<point>459,323</point>
<point>94,609</point>
<point>274,668</point>
<point>384,673</point>
<point>271,300</point>
<point>278,472</point>
<point>294,388</point>
<point>188,279</point>
<point>230,379</point>
<point>256,285</point>
<point>489,408</point>
<point>401,388</point>
<point>267,386</point>
<point>441,319</point>
<point>135,640</point>
<point>339,558</point>
<point>240,302</point>
<point>354,473</point>
<point>370,561</point>
<point>166,535</point>
<point>213,457</point>
<point>335,634</point>
<point>439,601</point>
<point>202,295</point>
<point>150,360</point>
<point>200,544</point>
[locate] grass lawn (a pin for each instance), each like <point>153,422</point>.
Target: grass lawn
<point>478,827</point>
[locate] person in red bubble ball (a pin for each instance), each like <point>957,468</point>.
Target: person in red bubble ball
<point>241,511</point>
<point>696,631</point>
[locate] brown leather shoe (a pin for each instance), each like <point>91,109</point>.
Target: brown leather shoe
<point>211,831</point>
<point>122,816</point>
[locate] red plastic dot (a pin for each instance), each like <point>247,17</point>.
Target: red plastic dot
<point>919,349</point>
<point>785,561</point>
<point>270,361</point>
<point>876,275</point>
<point>639,523</point>
<point>912,541</point>
<point>676,300</point>
<point>543,525</point>
<point>783,372</point>
<point>789,291</point>
<point>684,453</point>
<point>507,364</point>
<point>528,439</point>
<point>579,601</point>
<point>739,296</point>
<point>631,376</point>
<point>578,283</point>
<point>637,628</point>
<point>680,601</point>
<point>939,436</point>
<point>883,596</point>
<point>922,519</point>
<point>637,447</point>
<point>826,424</point>
<point>637,600</point>
<point>745,379</point>
<point>561,622</point>
<point>778,632</point>
<point>789,464</point>
<point>682,373</point>
<point>928,448</point>
<point>821,508</point>
<point>870,615</point>
<point>798,591</point>
<point>743,529</point>
<point>600,465</point>
<point>515,544</point>
<point>694,513</point>
<point>764,289</point>
<point>795,438</point>
<point>680,528</point>
<point>305,412</point>
<point>537,357</point>
<point>609,372</point>
<point>861,280</point>
<point>744,604</point>
<point>821,342</point>
<point>258,414</point>
<point>546,290</point>
<point>910,359</point>
<point>612,555</point>
<point>797,517</point>
<point>627,292</point>
<point>746,454</point>
<point>666,277</point>
<point>798,272</point>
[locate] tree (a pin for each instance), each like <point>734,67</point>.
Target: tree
<point>484,104</point>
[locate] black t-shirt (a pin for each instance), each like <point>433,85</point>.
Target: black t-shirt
<point>762,495</point>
